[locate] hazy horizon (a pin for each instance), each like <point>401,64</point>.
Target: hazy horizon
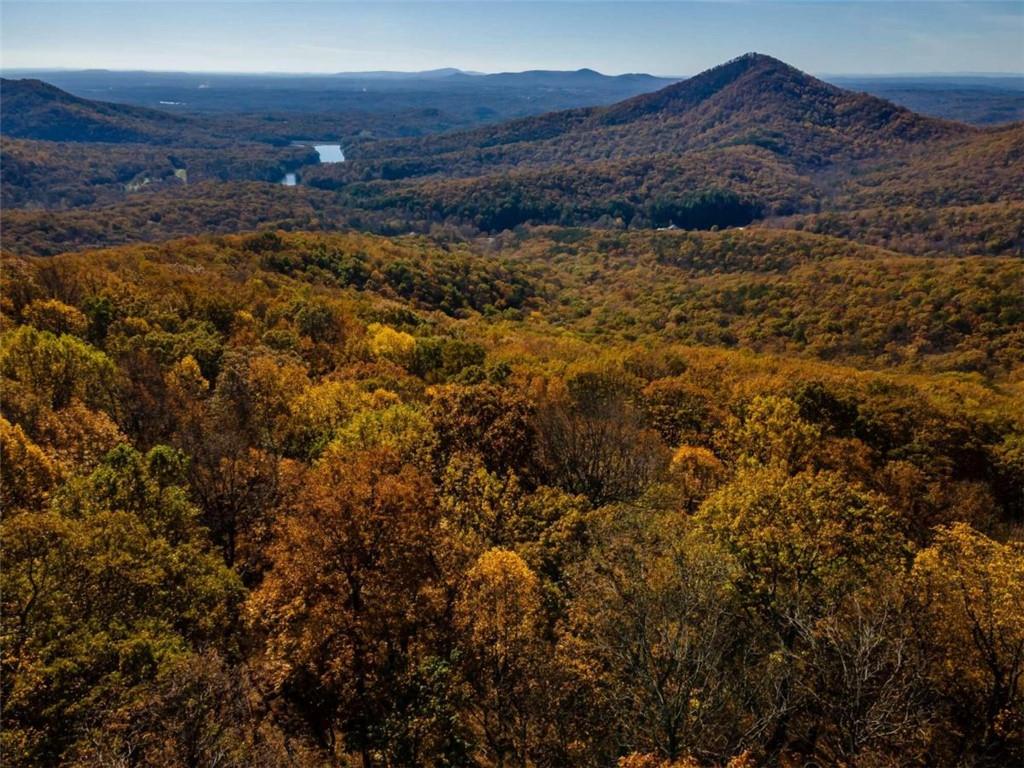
<point>661,75</point>
<point>669,39</point>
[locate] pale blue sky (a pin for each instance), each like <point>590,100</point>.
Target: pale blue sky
<point>668,38</point>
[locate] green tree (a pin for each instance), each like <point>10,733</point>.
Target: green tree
<point>100,593</point>
<point>44,371</point>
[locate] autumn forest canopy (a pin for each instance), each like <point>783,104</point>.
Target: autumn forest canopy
<point>641,424</point>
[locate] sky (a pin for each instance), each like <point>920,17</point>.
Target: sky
<point>664,38</point>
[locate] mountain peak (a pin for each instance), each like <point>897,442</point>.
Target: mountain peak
<point>753,64</point>
<point>753,100</point>
<point>754,56</point>
<point>751,75</point>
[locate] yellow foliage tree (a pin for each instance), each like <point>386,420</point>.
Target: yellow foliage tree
<point>773,434</point>
<point>499,617</point>
<point>972,590</point>
<point>26,473</point>
<point>56,317</point>
<point>385,343</point>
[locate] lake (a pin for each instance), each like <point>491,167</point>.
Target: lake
<point>330,153</point>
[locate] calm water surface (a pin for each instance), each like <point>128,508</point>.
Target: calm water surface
<point>330,153</point>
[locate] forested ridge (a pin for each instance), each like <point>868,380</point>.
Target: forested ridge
<point>686,432</point>
<point>753,139</point>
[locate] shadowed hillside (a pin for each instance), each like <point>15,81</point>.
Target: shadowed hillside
<point>32,109</point>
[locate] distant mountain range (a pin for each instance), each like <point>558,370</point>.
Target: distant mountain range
<point>427,74</point>
<point>751,139</point>
<point>466,98</point>
<point>113,75</point>
<point>547,76</point>
<point>457,98</point>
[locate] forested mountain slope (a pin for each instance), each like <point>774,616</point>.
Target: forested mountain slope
<point>32,109</point>
<point>62,152</point>
<point>751,139</point>
<point>754,99</point>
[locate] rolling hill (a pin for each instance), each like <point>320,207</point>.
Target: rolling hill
<point>32,109</point>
